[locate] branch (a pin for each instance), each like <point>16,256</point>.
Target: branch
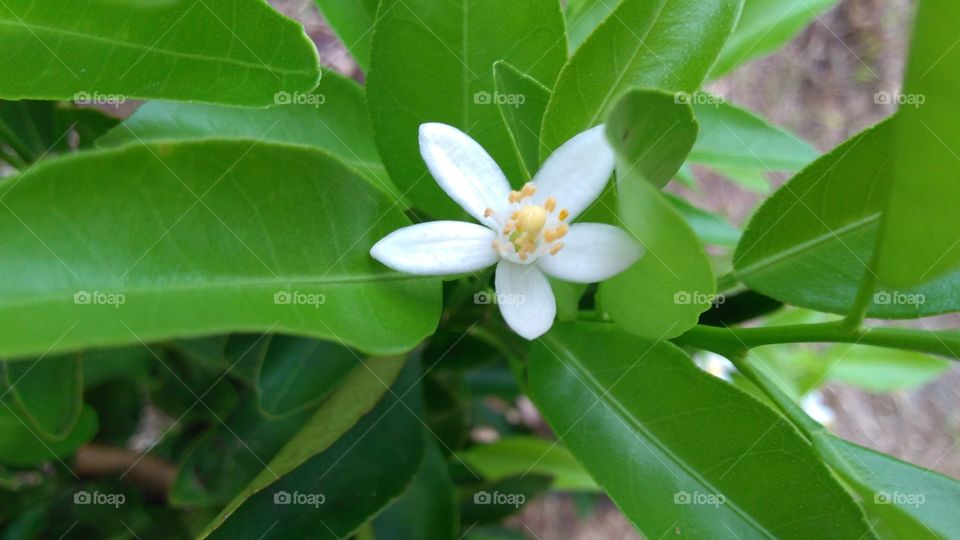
<point>153,474</point>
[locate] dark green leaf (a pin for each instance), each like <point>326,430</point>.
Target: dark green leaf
<point>428,510</point>
<point>47,393</point>
<point>250,236</point>
<point>297,373</point>
<point>20,446</point>
<point>495,501</point>
<point>713,461</point>
<point>432,62</point>
<point>522,101</point>
<point>240,52</point>
<point>516,456</point>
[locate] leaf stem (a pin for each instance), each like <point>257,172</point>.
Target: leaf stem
<point>727,341</point>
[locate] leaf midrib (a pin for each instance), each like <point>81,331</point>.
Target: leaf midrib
<point>260,66</point>
<point>624,414</point>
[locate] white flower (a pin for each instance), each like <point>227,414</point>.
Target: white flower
<point>526,233</point>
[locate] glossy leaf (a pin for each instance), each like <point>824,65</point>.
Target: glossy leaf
<point>296,373</point>
<point>734,138</point>
<point>353,21</point>
<point>20,446</point>
<point>881,370</point>
<point>668,44</point>
<point>278,242</point>
<point>240,52</point>
<point>518,456</point>
<point>523,120</point>
<point>384,449</point>
<point>333,118</point>
<point>764,27</point>
<point>714,461</point>
<point>808,245</point>
<point>432,62</point>
<point>47,393</point>
<point>919,242</point>
<point>428,510</point>
<point>583,17</point>
<point>709,227</point>
<point>356,397</point>
<point>664,292</point>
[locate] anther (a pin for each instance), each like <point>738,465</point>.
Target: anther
<point>561,230</point>
<point>488,212</point>
<point>556,248</point>
<point>528,189</point>
<point>564,214</point>
<point>550,204</point>
<point>515,197</point>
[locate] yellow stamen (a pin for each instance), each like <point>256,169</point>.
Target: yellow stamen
<point>488,212</point>
<point>528,189</point>
<point>515,197</point>
<point>564,214</point>
<point>561,230</point>
<point>550,204</point>
<point>549,236</point>
<point>556,248</point>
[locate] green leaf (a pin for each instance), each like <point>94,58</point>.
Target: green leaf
<point>29,128</point>
<point>652,134</point>
<point>432,62</point>
<point>710,228</point>
<point>239,52</point>
<point>353,22</point>
<point>764,27</point>
<point>809,246</point>
<point>278,242</point>
<point>881,370</point>
<point>908,501</point>
<point>493,502</point>
<point>47,393</point>
<point>428,510</point>
<point>21,447</point>
<point>733,138</point>
<point>520,455</point>
<point>356,397</point>
<point>333,118</point>
<point>522,101</point>
<point>919,240</point>
<point>668,44</point>
<point>354,476</point>
<point>299,372</point>
<point>644,298</point>
<point>713,461</point>
<point>583,17</point>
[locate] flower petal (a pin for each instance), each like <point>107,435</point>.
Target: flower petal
<point>591,252</point>
<point>577,172</point>
<point>525,298</point>
<point>437,248</point>
<point>464,170</point>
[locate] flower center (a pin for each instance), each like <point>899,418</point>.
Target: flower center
<point>532,230</point>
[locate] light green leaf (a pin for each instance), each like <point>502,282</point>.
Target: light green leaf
<point>881,370</point>
<point>522,101</point>
<point>240,52</point>
<point>279,242</point>
<point>662,294</point>
<point>297,372</point>
<point>919,241</point>
<point>382,452</point>
<point>810,246</point>
<point>734,138</point>
<point>583,17</point>
<point>764,27</point>
<point>714,461</point>
<point>21,447</point>
<point>47,393</point>
<point>353,22</point>
<point>333,118</point>
<point>667,44</point>
<point>520,455</point>
<point>432,62</point>
<point>710,228</point>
